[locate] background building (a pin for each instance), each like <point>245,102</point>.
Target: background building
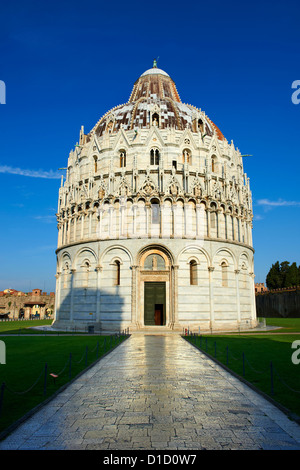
<point>155,220</point>
<point>19,305</point>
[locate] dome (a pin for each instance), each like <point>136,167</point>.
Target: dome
<point>155,71</point>
<point>155,88</point>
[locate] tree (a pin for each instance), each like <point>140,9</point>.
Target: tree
<point>284,270</point>
<point>283,275</point>
<point>292,276</point>
<point>273,279</point>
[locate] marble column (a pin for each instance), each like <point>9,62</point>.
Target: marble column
<point>73,271</point>
<point>134,294</point>
<point>237,288</point>
<point>211,296</point>
<point>98,298</point>
<point>57,295</point>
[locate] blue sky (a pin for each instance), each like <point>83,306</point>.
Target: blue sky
<point>66,63</point>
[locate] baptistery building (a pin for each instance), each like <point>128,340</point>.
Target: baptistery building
<point>155,221</point>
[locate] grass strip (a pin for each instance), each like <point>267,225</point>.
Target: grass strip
<point>264,361</point>
<point>31,359</point>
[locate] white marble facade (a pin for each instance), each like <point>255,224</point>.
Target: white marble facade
<point>155,221</point>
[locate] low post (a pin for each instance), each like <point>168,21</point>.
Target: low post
<point>243,364</point>
<point>1,396</point>
<point>272,378</point>
<point>45,379</point>
<point>70,366</point>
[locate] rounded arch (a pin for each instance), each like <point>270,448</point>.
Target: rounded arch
<point>245,259</point>
<point>116,247</point>
<point>194,247</point>
<point>167,199</point>
<point>224,262</point>
<point>193,200</point>
<point>227,251</point>
<point>193,259</point>
<point>180,199</point>
<point>155,249</point>
<point>154,200</point>
<point>65,257</point>
<point>116,259</point>
<point>86,263</point>
<point>83,251</point>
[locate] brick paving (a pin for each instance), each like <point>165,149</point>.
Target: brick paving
<point>156,393</point>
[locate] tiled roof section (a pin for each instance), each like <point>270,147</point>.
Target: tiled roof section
<point>151,89</point>
<point>154,86</point>
<point>218,132</point>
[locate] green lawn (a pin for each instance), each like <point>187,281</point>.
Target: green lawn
<point>25,369</point>
<point>263,360</point>
<point>288,325</point>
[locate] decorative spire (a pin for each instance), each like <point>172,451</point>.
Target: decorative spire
<point>155,63</point>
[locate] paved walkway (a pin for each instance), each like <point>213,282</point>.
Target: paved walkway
<point>156,392</point>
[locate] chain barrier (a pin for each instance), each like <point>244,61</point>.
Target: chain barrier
<point>283,382</point>
<point>254,370</point>
<point>65,366</point>
<point>25,391</point>
<point>68,363</point>
<point>272,371</point>
<point>78,362</point>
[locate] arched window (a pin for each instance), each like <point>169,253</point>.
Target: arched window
<point>213,164</point>
<point>155,119</point>
<point>224,269</point>
<point>154,157</point>
<point>187,156</point>
<point>95,161</point>
<point>155,212</point>
<point>193,273</point>
<point>213,220</point>
<point>200,125</point>
<point>109,127</point>
<point>122,159</point>
<point>117,273</point>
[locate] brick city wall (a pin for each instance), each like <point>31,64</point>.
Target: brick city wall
<point>279,303</point>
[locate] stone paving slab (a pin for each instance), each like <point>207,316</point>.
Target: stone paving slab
<point>156,393</point>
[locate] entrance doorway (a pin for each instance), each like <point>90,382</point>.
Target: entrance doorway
<point>154,303</point>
